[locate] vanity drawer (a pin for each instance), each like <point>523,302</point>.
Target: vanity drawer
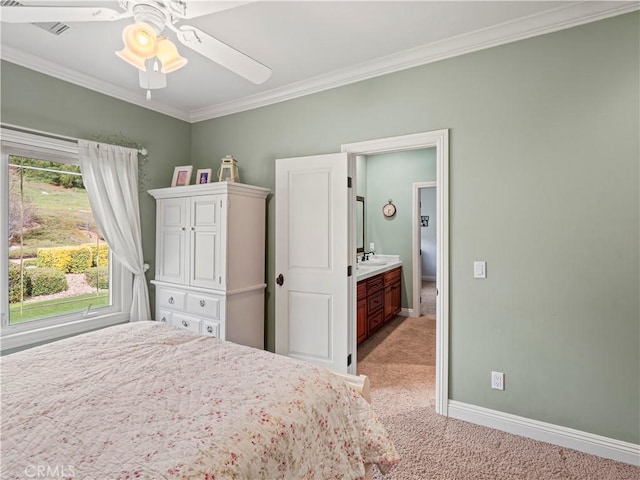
<point>375,301</point>
<point>392,276</point>
<point>168,298</point>
<point>376,320</point>
<point>375,283</point>
<point>188,323</point>
<point>204,305</point>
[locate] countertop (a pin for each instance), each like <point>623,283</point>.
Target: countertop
<point>375,265</point>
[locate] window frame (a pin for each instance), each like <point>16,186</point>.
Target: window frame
<point>21,335</point>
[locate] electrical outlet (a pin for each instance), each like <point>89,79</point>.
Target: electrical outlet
<point>497,380</point>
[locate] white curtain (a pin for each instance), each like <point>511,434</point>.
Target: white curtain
<point>110,175</point>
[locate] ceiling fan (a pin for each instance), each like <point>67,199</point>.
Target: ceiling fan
<point>144,45</point>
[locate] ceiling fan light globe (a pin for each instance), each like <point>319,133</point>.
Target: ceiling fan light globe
<point>131,58</point>
<point>140,39</point>
<point>168,55</point>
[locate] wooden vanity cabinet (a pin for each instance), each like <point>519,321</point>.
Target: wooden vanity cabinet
<point>392,293</point>
<point>363,331</point>
<point>378,301</point>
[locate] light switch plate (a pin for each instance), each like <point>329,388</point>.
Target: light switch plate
<point>479,269</point>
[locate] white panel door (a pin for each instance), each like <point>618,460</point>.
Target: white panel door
<point>313,305</point>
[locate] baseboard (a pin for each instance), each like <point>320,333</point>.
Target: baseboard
<point>565,437</point>
<point>428,278</point>
<point>406,312</point>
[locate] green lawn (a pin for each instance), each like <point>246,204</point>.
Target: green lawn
<point>51,308</point>
<point>63,215</point>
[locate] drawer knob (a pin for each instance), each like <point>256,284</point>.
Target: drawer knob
<point>202,303</point>
<point>185,323</point>
<point>210,329</point>
<point>171,301</point>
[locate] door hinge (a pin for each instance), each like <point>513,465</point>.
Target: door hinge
<point>349,360</point>
<point>348,182</point>
<point>349,270</point>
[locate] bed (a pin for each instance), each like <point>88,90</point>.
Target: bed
<point>149,401</point>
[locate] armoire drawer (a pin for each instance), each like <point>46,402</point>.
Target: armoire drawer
<point>169,298</point>
<point>185,321</point>
<point>211,329</point>
<point>203,305</point>
<point>163,316</point>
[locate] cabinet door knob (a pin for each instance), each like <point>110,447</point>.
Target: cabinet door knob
<point>185,323</point>
<point>280,279</point>
<point>202,303</point>
<point>171,301</point>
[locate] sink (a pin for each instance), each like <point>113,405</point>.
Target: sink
<point>360,266</point>
<point>373,263</point>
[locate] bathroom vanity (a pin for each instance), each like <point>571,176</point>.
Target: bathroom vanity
<point>379,293</point>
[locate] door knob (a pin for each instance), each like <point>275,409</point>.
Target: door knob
<point>280,279</point>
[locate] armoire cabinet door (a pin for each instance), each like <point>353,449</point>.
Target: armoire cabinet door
<point>171,240</point>
<point>205,244</point>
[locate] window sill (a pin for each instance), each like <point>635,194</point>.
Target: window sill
<point>30,338</point>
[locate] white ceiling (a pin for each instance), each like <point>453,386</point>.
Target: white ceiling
<point>309,45</point>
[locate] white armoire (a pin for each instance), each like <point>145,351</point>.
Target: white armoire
<point>210,257</point>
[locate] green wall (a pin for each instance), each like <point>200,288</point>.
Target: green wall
<point>391,176</point>
<point>544,186</point>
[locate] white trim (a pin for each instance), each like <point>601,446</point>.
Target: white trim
<point>557,435</point>
<point>416,259</point>
<point>560,18</point>
<point>27,60</point>
<point>428,278</point>
<point>66,147</point>
<point>33,337</point>
<point>438,139</point>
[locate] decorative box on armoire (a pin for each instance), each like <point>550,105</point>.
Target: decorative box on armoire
<point>210,256</point>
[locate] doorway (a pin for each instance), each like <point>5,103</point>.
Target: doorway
<point>425,265</point>
<point>440,141</point>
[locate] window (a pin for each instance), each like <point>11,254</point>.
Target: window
<point>61,276</point>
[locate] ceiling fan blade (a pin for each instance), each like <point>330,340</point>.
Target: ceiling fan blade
<point>59,14</point>
<point>198,8</point>
<point>223,54</point>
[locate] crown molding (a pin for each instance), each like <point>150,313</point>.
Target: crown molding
<point>562,17</point>
<point>32,62</point>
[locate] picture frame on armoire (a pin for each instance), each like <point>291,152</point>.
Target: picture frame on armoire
<point>203,175</point>
<point>181,176</point>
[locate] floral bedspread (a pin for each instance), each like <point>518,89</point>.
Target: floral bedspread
<point>149,401</point>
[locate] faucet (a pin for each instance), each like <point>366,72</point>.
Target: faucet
<point>365,256</point>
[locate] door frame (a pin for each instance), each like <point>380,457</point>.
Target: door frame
<point>416,232</point>
<point>438,139</point>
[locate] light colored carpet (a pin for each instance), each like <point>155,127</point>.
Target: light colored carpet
<point>428,298</point>
<point>400,362</point>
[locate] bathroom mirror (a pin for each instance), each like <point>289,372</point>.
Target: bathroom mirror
<point>359,224</point>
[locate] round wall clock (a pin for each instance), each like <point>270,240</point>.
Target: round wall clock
<point>389,210</point>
